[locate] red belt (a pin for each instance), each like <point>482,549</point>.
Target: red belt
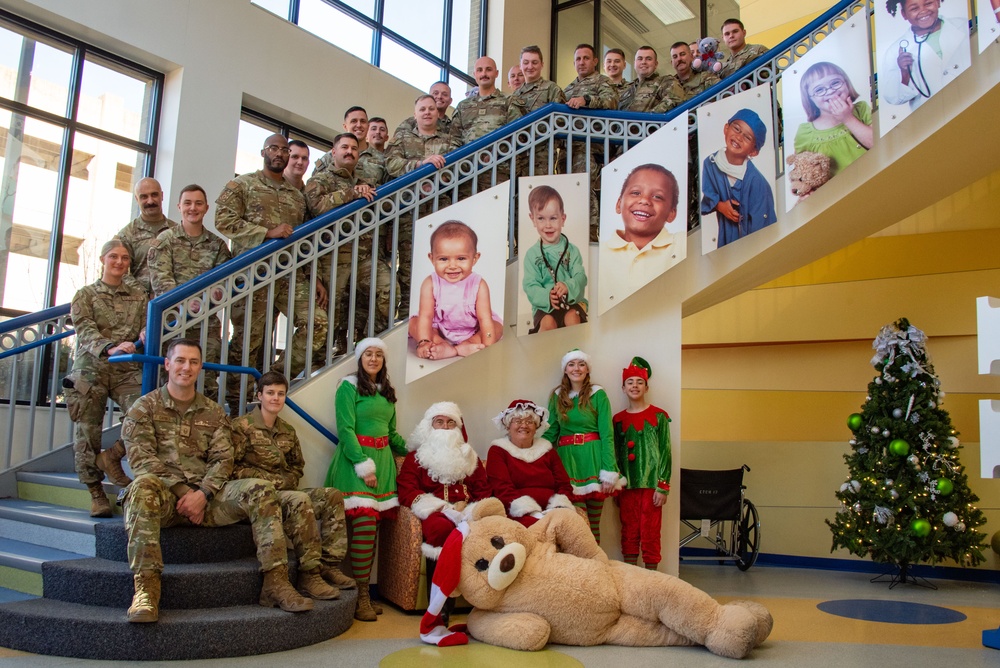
<point>377,442</point>
<point>578,439</point>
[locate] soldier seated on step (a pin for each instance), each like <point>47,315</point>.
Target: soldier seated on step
<point>266,447</point>
<point>180,448</point>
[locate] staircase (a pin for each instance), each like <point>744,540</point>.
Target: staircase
<point>67,585</point>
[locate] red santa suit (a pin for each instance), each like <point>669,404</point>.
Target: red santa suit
<point>441,477</point>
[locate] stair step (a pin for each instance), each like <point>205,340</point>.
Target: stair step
<point>11,595</point>
<point>100,582</point>
<point>45,626</point>
<point>30,557</point>
<point>181,544</point>
<point>50,525</point>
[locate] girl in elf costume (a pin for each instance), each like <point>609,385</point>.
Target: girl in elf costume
<point>582,433</point>
<point>363,467</point>
<point>642,447</point>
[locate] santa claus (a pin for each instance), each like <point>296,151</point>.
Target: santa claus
<point>441,476</point>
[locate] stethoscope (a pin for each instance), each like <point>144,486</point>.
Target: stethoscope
<point>926,91</point>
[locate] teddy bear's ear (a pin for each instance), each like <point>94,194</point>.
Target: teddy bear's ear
<point>790,159</point>
<point>487,508</point>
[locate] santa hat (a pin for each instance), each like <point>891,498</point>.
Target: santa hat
<point>423,428</point>
<point>638,367</point>
<point>522,408</point>
<point>443,585</point>
<point>365,344</point>
<point>575,354</point>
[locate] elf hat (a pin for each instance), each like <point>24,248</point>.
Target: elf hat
<point>443,585</point>
<point>365,344</point>
<point>575,354</point>
<point>638,367</point>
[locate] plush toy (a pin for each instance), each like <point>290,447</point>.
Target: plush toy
<point>709,57</point>
<point>809,171</point>
<point>553,583</point>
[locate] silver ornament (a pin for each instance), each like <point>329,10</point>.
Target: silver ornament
<point>857,508</point>
<point>897,413</point>
<point>878,381</point>
<point>853,441</point>
<point>888,482</point>
<point>875,430</point>
<point>931,404</point>
<point>885,433</point>
<point>894,494</point>
<point>960,527</point>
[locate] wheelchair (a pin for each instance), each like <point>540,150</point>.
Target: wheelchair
<point>724,516</point>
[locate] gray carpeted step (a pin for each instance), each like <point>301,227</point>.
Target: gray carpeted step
<point>181,544</point>
<point>45,626</point>
<point>109,583</point>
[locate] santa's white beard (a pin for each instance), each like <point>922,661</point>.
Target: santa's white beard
<point>446,457</point>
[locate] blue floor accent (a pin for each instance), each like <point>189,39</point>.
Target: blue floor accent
<point>991,638</point>
<point>11,595</point>
<point>894,612</point>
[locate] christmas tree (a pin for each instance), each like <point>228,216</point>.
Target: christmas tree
<point>906,499</point>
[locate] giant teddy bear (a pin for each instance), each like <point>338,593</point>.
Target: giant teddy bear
<point>553,583</point>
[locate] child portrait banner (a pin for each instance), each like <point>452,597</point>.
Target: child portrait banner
<point>921,46</point>
<point>459,274</point>
<point>828,112</point>
<point>736,149</point>
<point>553,249</point>
<point>644,211</point>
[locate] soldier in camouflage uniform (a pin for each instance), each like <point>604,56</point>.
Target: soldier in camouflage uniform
<point>590,90</point>
<point>441,92</point>
<point>326,190</point>
<point>251,209</point>
<point>109,317</point>
<point>179,444</point>
<point>650,91</point>
<point>425,145</point>
<point>482,113</point>
<point>141,233</point>
<point>298,163</point>
<point>370,167</point>
<point>378,133</point>
<point>186,252</point>
<point>614,68</point>
<point>266,447</point>
<point>535,94</point>
<point>741,53</point>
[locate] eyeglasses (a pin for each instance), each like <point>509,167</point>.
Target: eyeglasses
<point>525,421</point>
<point>282,150</point>
<point>829,89</point>
<point>739,130</point>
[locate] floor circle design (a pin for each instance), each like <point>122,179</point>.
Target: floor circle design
<point>893,612</point>
<point>476,655</point>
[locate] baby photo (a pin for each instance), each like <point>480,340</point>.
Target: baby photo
<point>921,47</point>
<point>458,291</point>
<point>737,180</point>
<point>828,111</point>
<point>554,253</point>
<point>643,214</point>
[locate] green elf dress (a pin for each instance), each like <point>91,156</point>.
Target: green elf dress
<point>584,440</point>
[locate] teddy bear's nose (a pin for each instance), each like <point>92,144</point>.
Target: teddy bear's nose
<point>507,563</point>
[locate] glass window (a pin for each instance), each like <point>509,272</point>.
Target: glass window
<point>404,64</point>
<point>366,7</point>
<point>576,26</point>
<point>279,7</point>
<point>34,72</point>
<point>337,28</point>
<point>249,144</point>
<point>115,100</point>
<point>464,47</point>
<point>419,22</point>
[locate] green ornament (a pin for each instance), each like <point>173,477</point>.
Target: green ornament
<point>854,421</point>
<point>899,447</point>
<point>920,528</point>
<point>945,486</point>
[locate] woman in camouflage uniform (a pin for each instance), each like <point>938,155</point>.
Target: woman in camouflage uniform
<point>109,317</point>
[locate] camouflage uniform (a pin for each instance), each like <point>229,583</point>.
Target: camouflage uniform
<point>736,61</point>
<point>274,454</point>
<point>410,125</point>
<point>476,116</point>
<point>172,452</point>
<point>177,258</point>
<point>654,93</point>
<point>404,153</point>
<point>599,93</point>
<point>138,236</point>
<point>249,206</point>
<point>326,190</point>
<point>103,316</point>
<point>532,96</point>
<point>697,83</point>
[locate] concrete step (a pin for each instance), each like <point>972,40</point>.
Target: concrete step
<point>46,626</point>
<point>21,564</point>
<point>62,489</point>
<point>50,525</point>
<point>100,582</point>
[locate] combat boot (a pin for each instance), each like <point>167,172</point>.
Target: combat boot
<point>278,591</point>
<point>336,577</point>
<point>99,504</point>
<point>364,611</point>
<point>110,461</point>
<point>146,601</point>
<point>311,584</point>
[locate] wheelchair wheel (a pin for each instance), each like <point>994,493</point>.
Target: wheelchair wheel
<point>748,537</point>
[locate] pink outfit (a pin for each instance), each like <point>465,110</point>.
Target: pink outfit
<point>455,308</point>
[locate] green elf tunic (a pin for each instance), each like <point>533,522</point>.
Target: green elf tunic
<point>375,418</point>
<point>591,462</point>
<point>642,448</point>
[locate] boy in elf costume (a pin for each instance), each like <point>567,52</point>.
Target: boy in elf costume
<point>642,447</point>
